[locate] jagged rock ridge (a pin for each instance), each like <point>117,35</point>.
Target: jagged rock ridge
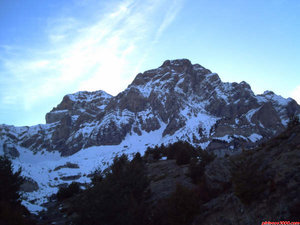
<point>178,100</point>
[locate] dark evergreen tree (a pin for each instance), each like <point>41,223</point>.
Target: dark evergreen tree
<point>67,192</point>
<point>10,182</point>
<point>179,208</point>
<point>11,211</point>
<point>118,198</point>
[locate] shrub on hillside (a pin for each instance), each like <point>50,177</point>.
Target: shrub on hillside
<point>67,192</point>
<point>248,179</point>
<point>196,170</point>
<point>183,205</point>
<point>178,209</point>
<point>206,157</point>
<point>97,176</point>
<point>155,153</point>
<point>181,151</point>
<point>174,150</point>
<point>14,214</point>
<point>197,167</point>
<point>294,121</point>
<point>183,156</point>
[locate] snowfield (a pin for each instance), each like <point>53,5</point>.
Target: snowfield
<point>41,166</point>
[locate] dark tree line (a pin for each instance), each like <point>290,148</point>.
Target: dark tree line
<point>11,210</point>
<point>121,194</point>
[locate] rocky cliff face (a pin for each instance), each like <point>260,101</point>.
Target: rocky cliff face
<point>178,100</point>
<point>81,104</point>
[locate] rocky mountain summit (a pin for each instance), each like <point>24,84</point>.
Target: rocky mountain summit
<point>177,101</point>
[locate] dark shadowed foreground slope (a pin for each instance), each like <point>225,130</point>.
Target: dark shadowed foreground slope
<point>265,184</point>
<point>248,188</point>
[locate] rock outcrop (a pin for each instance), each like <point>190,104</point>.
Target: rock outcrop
<point>263,187</point>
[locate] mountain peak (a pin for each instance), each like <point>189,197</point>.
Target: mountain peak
<point>177,62</point>
<point>88,96</point>
<point>79,103</point>
<point>171,71</point>
<point>178,100</point>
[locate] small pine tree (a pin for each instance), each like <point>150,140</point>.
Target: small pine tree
<point>10,182</point>
<point>248,178</point>
<point>68,192</point>
<point>183,157</point>
<point>196,170</point>
<point>179,208</point>
<point>11,210</point>
<point>294,121</point>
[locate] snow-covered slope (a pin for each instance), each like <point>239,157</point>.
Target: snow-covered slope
<point>51,170</point>
<point>177,101</point>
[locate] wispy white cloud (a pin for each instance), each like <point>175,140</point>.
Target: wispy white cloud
<point>169,17</point>
<point>80,55</point>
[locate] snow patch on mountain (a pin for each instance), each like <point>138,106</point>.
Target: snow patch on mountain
<point>250,114</point>
<point>88,96</point>
<point>255,137</point>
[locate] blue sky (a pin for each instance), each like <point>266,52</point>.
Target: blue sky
<point>54,47</point>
